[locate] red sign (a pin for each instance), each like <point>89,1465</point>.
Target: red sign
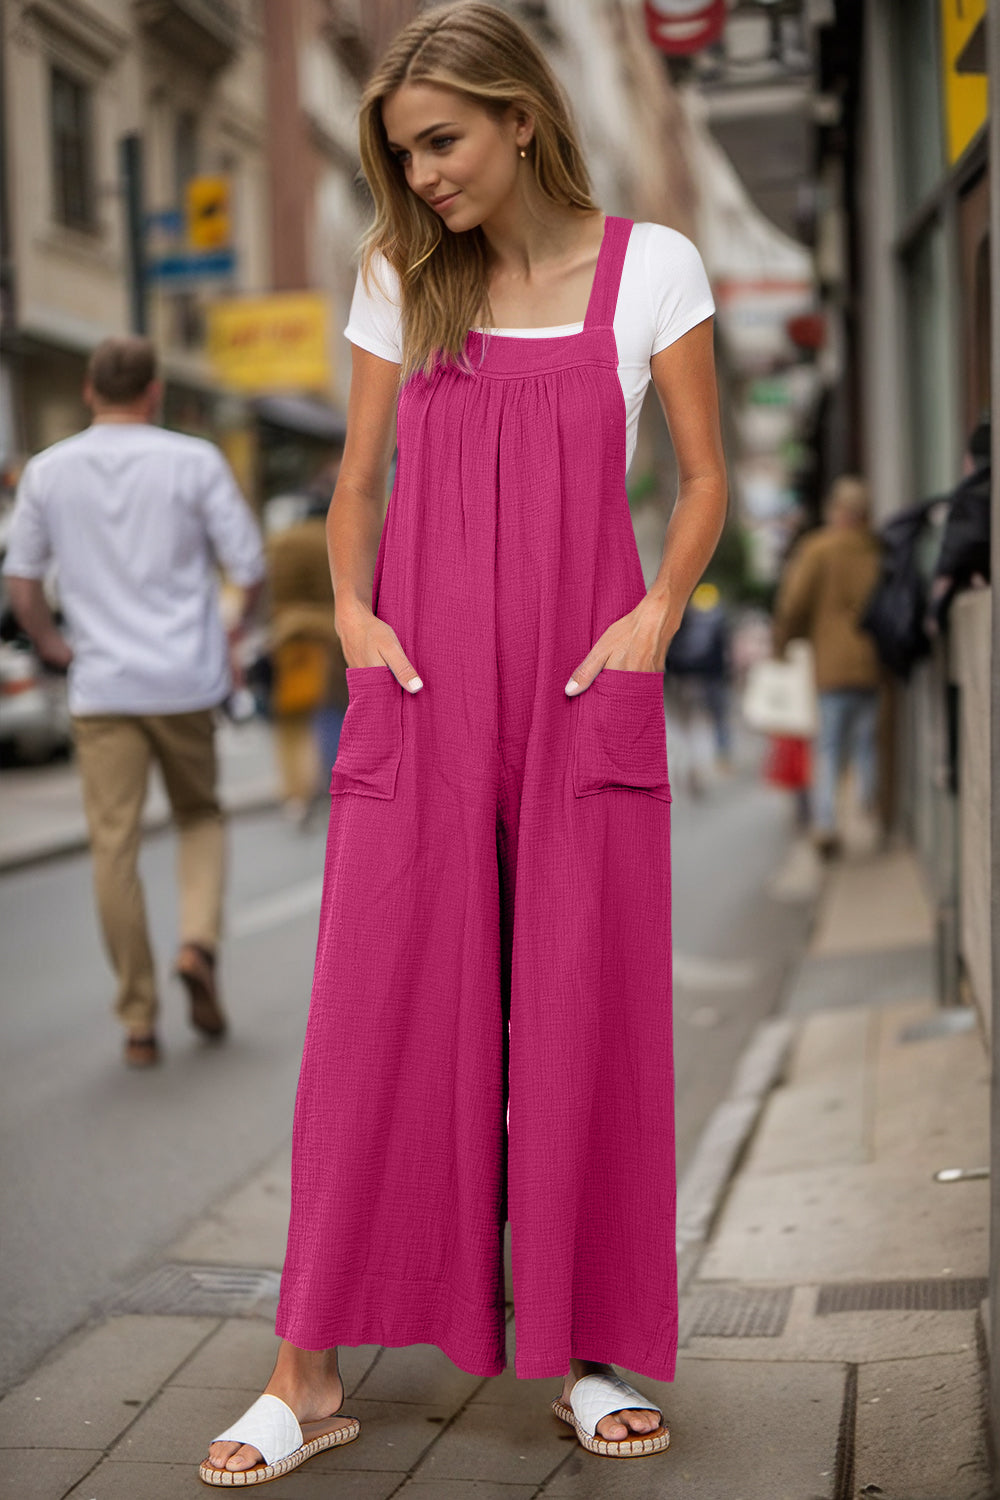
<point>682,26</point>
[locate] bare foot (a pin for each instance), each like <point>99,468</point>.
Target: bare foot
<point>616,1425</point>
<point>307,1380</point>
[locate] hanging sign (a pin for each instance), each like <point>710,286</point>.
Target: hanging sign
<point>678,27</point>
<point>965,93</point>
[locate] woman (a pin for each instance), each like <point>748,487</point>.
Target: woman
<point>495,921</point>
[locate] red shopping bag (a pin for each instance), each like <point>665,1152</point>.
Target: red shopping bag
<point>788,763</point>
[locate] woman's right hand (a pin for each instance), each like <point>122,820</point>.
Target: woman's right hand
<point>368,641</point>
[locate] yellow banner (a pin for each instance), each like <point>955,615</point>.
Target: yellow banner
<point>965,97</point>
<point>276,343</point>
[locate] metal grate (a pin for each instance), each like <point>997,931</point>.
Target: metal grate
<point>736,1313</point>
<point>938,1295</point>
<point>206,1291</point>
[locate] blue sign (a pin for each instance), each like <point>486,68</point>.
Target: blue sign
<point>192,265</point>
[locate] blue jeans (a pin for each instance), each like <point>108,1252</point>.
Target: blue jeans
<point>848,720</point>
<point>327,724</point>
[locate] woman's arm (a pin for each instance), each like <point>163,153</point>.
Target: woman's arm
<point>354,520</point>
<point>684,376</point>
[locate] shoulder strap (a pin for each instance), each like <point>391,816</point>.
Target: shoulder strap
<point>608,272</point>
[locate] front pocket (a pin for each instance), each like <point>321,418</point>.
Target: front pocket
<point>371,738</point>
<point>621,735</point>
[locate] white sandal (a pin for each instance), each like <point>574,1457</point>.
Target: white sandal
<point>597,1396</point>
<point>270,1426</point>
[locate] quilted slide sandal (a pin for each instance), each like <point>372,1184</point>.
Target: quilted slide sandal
<point>270,1426</point>
<point>597,1396</point>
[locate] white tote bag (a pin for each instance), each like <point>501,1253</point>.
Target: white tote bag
<point>780,695</point>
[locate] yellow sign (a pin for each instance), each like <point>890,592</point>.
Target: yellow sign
<point>209,226</point>
<point>276,343</point>
<point>965,98</point>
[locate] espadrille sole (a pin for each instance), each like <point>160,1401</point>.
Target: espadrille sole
<point>264,1472</point>
<point>637,1447</point>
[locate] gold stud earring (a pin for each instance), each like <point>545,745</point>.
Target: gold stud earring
<point>523,152</point>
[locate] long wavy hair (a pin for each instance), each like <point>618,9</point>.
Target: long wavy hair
<point>481,52</point>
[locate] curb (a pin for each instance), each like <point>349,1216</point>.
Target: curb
<point>78,842</point>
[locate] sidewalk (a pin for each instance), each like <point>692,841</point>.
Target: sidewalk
<point>41,809</point>
<point>830,1335</point>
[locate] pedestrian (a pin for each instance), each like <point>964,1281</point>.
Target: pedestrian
<point>136,520</point>
<point>505,728</point>
<point>826,585</point>
<point>309,687</point>
<point>697,681</point>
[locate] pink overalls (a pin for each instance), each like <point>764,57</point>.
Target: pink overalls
<point>497,851</point>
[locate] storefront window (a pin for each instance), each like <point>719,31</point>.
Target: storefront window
<point>930,335</point>
<point>916,36</point>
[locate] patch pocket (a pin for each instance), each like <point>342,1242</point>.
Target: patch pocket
<point>621,735</point>
<point>371,739</point>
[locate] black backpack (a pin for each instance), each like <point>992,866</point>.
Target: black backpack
<point>895,611</point>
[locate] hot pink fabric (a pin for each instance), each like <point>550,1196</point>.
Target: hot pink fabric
<point>497,849</point>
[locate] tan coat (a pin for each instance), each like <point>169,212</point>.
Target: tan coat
<point>826,586</point>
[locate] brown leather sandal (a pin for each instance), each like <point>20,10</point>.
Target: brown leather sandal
<point>142,1051</point>
<point>195,968</point>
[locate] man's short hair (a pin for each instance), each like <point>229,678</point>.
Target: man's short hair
<point>121,369</point>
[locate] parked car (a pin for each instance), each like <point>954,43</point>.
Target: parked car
<point>34,712</point>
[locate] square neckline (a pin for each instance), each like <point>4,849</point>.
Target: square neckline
<point>551,330</point>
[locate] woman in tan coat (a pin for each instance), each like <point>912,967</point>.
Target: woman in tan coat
<point>826,586</point>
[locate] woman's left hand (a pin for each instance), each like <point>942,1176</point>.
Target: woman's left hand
<point>636,643</point>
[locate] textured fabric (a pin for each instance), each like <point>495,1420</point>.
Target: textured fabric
<point>136,520</point>
<point>114,753</point>
<point>497,852</point>
<point>664,292</point>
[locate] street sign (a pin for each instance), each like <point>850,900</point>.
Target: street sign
<point>275,343</point>
<point>192,266</point>
<point>209,224</point>
<point>679,27</point>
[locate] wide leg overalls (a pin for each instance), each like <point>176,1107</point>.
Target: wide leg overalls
<point>498,852</point>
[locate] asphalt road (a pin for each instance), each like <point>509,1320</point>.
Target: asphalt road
<point>102,1167</point>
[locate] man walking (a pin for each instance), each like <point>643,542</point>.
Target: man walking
<point>826,585</point>
<point>136,520</point>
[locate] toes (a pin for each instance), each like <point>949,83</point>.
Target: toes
<point>611,1429</point>
<point>623,1424</point>
<point>245,1458</point>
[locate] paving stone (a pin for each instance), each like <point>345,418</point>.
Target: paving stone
<point>920,1433</point>
<point>885,1221</point>
<point>44,1473</point>
<point>953,1071</point>
<point>815,1124</point>
<point>494,1444</point>
<point>394,1435</point>
<point>507,1390</point>
<point>870,905</point>
<point>242,1353</point>
<point>854,1337</point>
<point>154,1481</point>
<point>418,1372</point>
<point>92,1389</point>
<point>738,1432</point>
<point>466,1489</point>
<point>830,1041</point>
<point>249,1228</point>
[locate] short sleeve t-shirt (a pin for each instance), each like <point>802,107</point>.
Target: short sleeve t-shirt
<point>664,292</point>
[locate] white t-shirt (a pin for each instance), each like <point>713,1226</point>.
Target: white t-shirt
<point>135,519</point>
<point>664,291</point>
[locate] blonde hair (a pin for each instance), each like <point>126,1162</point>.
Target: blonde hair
<point>481,52</point>
<point>849,497</point>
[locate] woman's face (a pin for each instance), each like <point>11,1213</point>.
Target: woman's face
<point>454,155</point>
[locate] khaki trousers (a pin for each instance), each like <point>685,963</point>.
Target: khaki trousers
<point>114,752</point>
<point>297,755</point>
